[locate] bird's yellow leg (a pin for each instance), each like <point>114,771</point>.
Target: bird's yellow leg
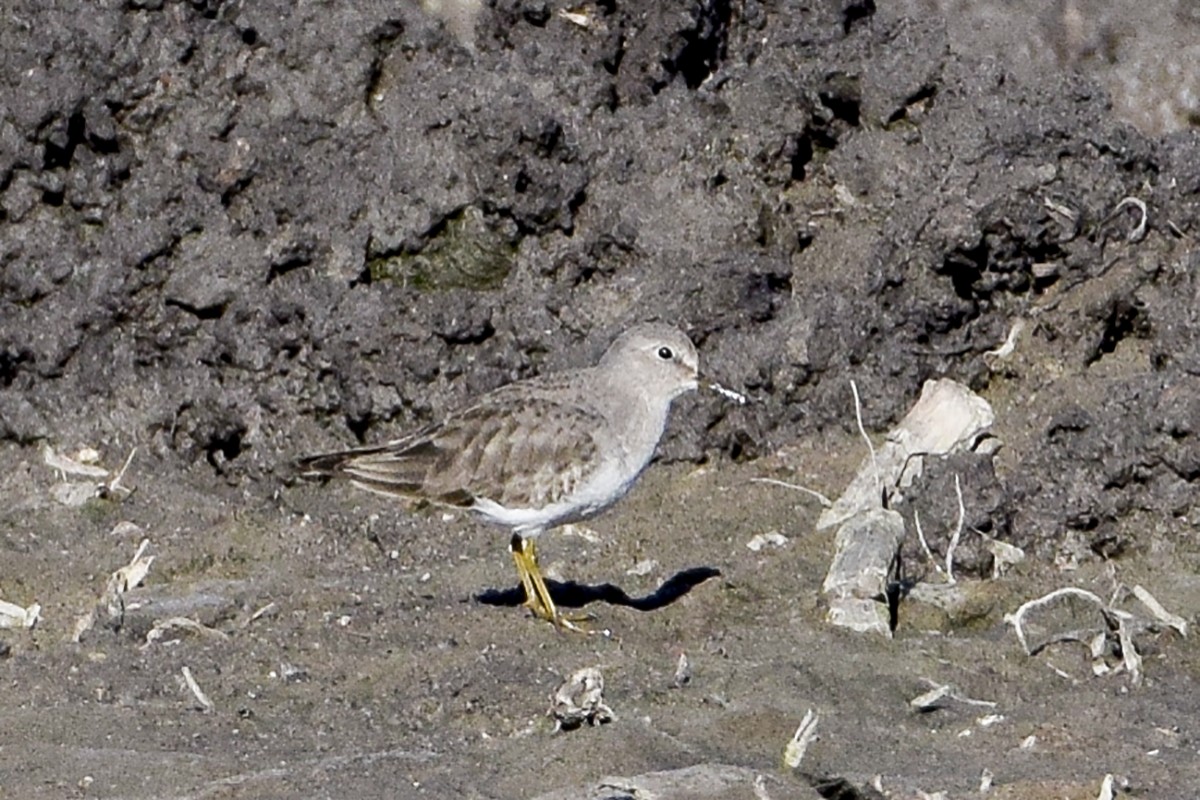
<point>525,570</point>
<point>537,595</point>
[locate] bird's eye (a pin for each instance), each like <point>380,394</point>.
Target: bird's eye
<point>665,353</point>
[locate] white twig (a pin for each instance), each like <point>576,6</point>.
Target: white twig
<point>1061,209</point>
<point>181,623</point>
<point>1098,647</point>
<point>1161,614</point>
<point>985,781</point>
<point>201,697</point>
<point>958,529</point>
<point>142,545</point>
<point>729,394</point>
<point>793,754</point>
<point>683,672</point>
<point>130,575</point>
<point>65,465</point>
<point>1015,618</point>
<point>1010,342</point>
<point>1129,654</point>
<point>1138,233</point>
<point>863,431</point>
<point>822,499</point>
<point>577,17</point>
<point>114,485</point>
<point>269,608</point>
<point>924,543</point>
<point>929,700</point>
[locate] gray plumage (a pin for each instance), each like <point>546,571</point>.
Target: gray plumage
<point>541,452</point>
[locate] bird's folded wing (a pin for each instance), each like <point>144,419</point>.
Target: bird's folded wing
<point>520,455</point>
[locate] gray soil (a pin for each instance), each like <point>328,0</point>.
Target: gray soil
<point>232,234</point>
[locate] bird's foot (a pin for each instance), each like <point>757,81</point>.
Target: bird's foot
<point>537,595</point>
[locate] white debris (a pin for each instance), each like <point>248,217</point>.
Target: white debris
<point>761,540</point>
<point>15,616</point>
<point>1004,555</point>
<point>1098,647</point>
<point>580,699</point>
<point>932,699</point>
<point>579,18</point>
<point>162,626</point>
<point>820,498</point>
<point>1071,614</point>
<point>683,672</point>
<point>1010,343</point>
<point>1048,632</point>
<point>958,529</point>
<point>1161,614</point>
<point>73,495</point>
<point>642,568</point>
<point>126,530</point>
<point>584,17</point>
<point>793,754</point>
<point>133,573</point>
<point>270,609</point>
<point>1130,657</point>
<point>85,464</point>
<point>120,582</point>
<point>865,548</point>
<point>206,705</point>
<point>65,465</point>
<point>729,394</point>
<point>1139,232</point>
<point>947,418</point>
<point>582,531</point>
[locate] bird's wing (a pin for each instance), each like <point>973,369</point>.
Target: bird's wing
<point>527,453</point>
<point>395,468</point>
<point>516,450</point>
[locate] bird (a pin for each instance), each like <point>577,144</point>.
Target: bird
<point>537,453</point>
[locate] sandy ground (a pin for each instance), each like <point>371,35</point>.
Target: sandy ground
<point>376,671</point>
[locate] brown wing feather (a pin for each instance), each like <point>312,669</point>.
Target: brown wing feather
<point>517,450</point>
<point>520,455</point>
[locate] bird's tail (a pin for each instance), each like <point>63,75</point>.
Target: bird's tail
<point>323,466</point>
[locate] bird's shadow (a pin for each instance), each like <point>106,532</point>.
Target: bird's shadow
<point>570,594</point>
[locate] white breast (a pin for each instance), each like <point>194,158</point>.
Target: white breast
<point>605,487</point>
<point>627,454</point>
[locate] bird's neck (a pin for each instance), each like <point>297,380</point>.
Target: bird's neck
<point>642,415</point>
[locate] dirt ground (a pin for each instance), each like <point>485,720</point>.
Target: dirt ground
<point>377,673</point>
<point>232,234</point>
